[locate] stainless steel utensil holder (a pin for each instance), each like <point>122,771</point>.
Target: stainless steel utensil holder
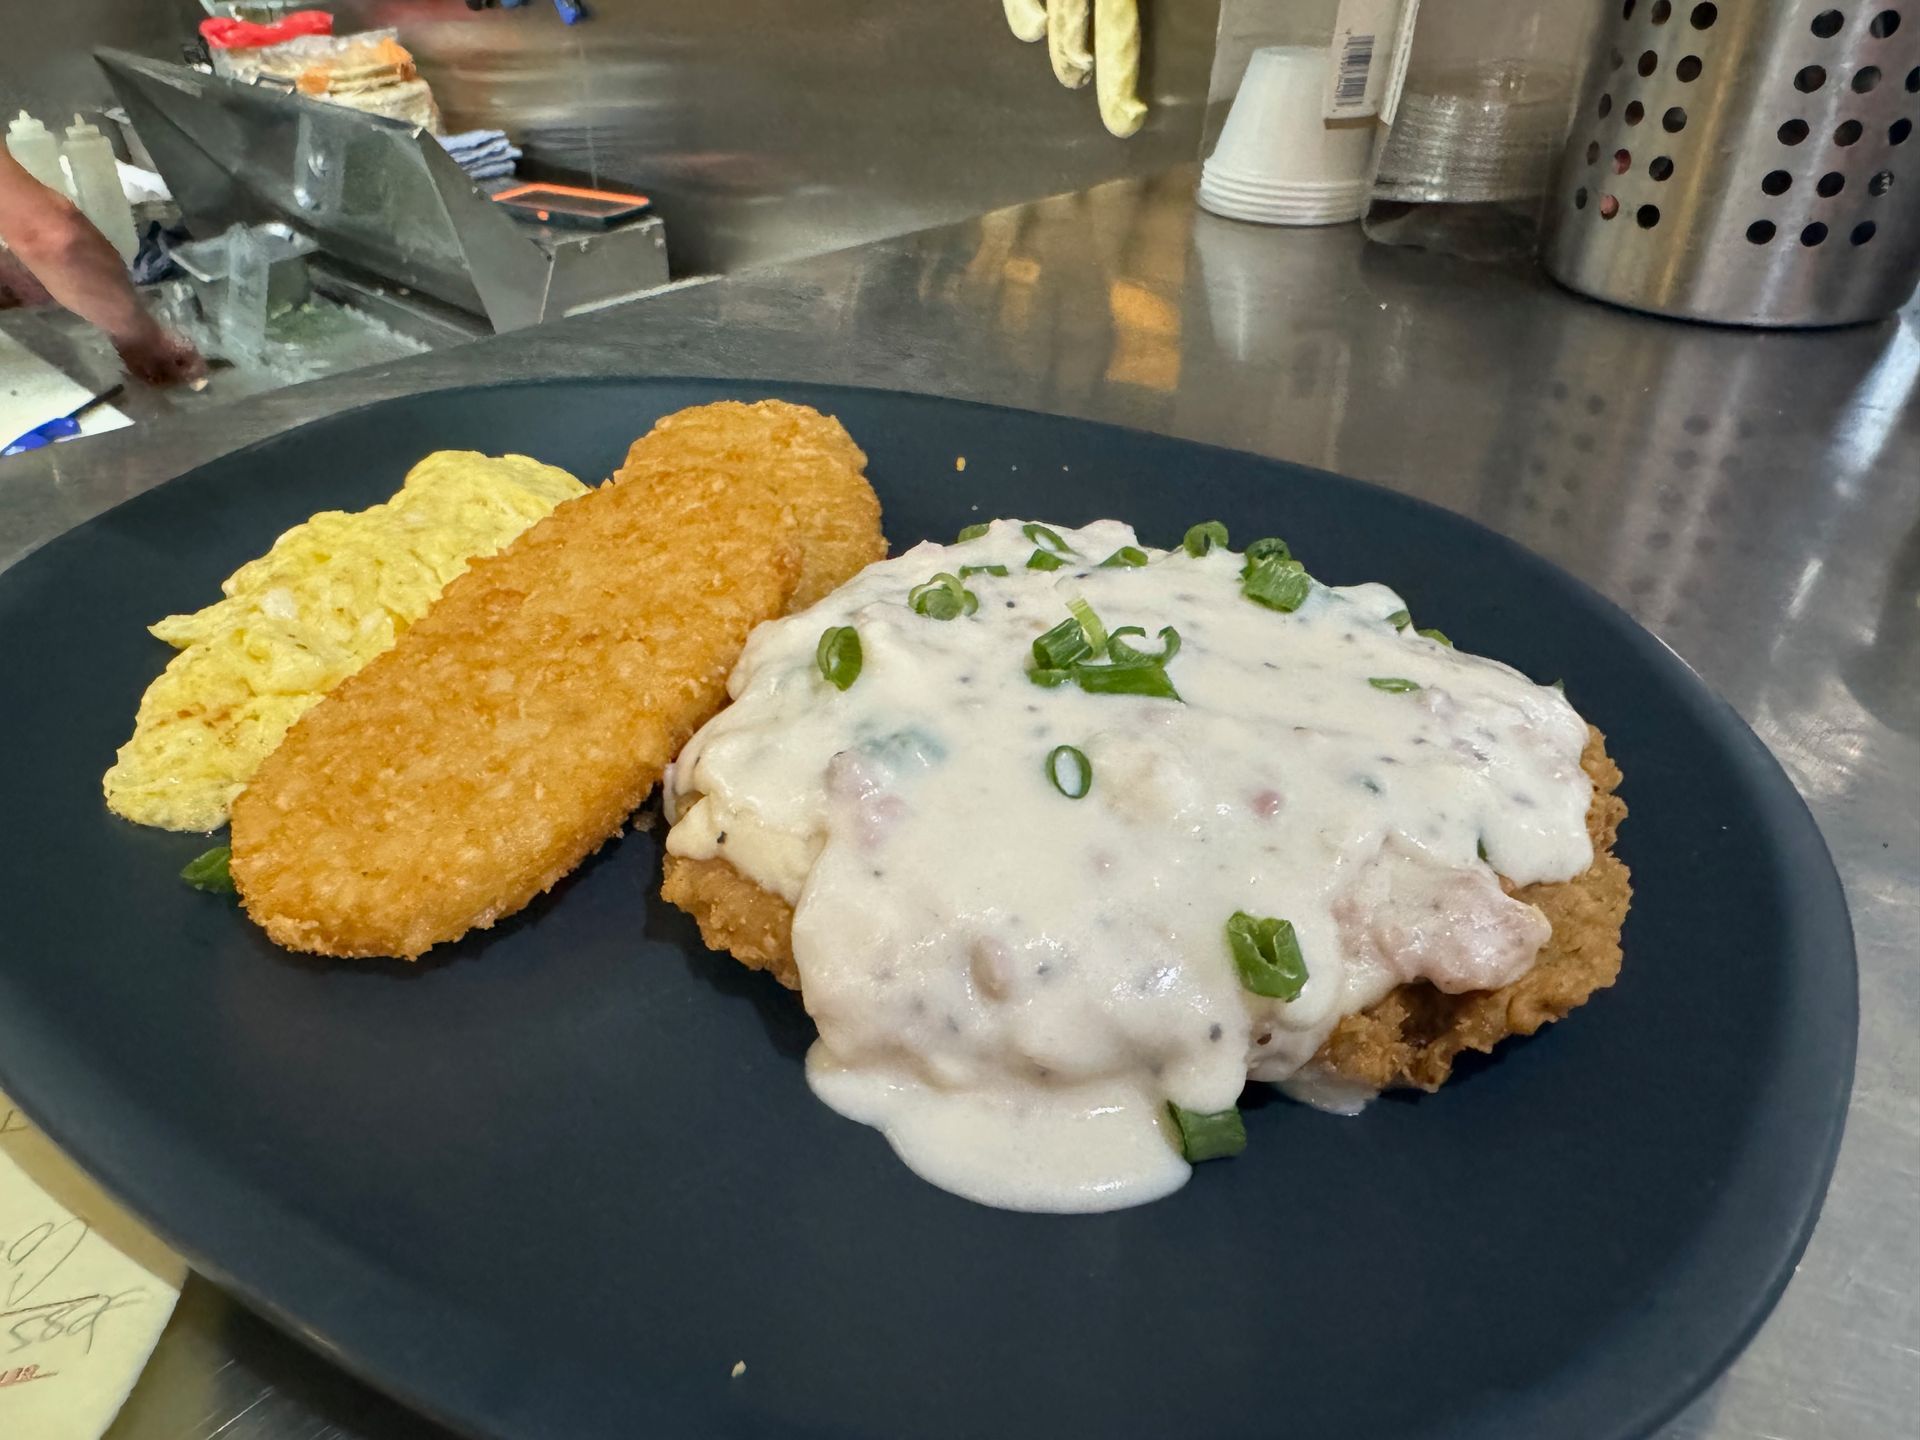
<point>1747,161</point>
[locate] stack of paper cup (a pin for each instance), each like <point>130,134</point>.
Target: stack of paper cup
<point>1279,161</point>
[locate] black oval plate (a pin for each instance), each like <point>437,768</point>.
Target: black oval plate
<point>558,1181</point>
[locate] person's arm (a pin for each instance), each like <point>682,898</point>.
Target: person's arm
<point>80,268</point>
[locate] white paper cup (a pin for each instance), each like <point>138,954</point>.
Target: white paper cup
<point>1335,208</point>
<point>1275,130</point>
<point>1279,189</point>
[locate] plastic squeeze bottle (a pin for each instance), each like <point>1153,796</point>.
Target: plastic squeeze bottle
<point>38,152</point>
<point>96,187</point>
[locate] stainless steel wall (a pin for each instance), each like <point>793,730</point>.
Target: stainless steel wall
<point>46,64</point>
<point>766,129</point>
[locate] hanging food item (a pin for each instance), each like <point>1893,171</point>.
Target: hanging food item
<point>1116,48</point>
<point>1067,42</point>
<point>1090,39</point>
<point>1027,18</point>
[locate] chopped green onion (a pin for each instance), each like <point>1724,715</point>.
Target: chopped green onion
<point>1481,847</point>
<point>1127,557</point>
<point>1203,1136</point>
<point>1392,684</point>
<point>938,603</point>
<point>1270,548</point>
<point>1267,955</point>
<point>1437,636</point>
<point>1399,619</point>
<point>1061,646</point>
<point>966,570</point>
<point>1149,680</point>
<point>1203,537</point>
<point>1090,623</point>
<point>972,532</point>
<point>1122,653</point>
<point>209,871</point>
<point>1276,584</point>
<point>1062,654</point>
<point>942,598</point>
<point>1081,780</point>
<point>838,655</point>
<point>1041,535</point>
<point>1044,560</point>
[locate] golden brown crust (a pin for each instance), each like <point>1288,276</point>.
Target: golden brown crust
<point>808,458</point>
<point>513,728</point>
<point>755,926</point>
<point>518,724</point>
<point>1410,1038</point>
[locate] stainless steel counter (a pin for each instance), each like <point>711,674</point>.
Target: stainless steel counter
<point>1752,498</point>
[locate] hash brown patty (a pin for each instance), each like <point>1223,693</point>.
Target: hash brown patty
<point>515,727</point>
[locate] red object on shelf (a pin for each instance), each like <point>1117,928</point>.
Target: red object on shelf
<point>244,35</point>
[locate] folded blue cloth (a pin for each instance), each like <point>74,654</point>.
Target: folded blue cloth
<point>506,153</point>
<point>470,141</point>
<point>492,170</point>
<point>490,156</point>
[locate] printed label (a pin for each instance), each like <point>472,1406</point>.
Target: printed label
<point>1363,37</point>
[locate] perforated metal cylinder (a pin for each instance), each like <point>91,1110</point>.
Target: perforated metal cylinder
<point>1746,161</point>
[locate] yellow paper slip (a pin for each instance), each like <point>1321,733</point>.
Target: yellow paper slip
<point>84,1292</point>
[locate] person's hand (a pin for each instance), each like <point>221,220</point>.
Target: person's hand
<point>160,357</point>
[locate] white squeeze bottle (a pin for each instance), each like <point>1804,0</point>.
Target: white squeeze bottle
<point>96,187</point>
<point>38,152</point>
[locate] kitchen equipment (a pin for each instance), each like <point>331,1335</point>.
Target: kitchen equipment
<point>1746,162</point>
<point>572,205</point>
<point>285,251</point>
<point>584,1113</point>
<point>38,152</point>
<point>1475,136</point>
<point>1484,102</point>
<point>373,193</point>
<point>1279,160</point>
<point>96,186</point>
<point>1484,132</point>
<point>243,307</point>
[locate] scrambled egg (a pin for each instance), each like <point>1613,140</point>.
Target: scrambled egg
<point>330,595</point>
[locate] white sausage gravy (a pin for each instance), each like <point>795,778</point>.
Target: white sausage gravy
<point>1016,985</point>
